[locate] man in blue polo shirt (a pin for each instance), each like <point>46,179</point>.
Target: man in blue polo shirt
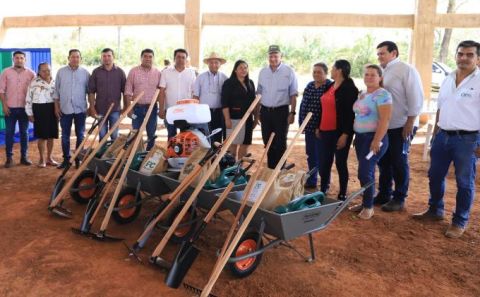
<point>456,139</point>
<point>277,84</point>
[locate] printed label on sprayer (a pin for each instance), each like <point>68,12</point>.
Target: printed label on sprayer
<point>257,189</point>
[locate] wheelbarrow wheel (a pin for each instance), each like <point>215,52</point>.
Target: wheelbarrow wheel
<point>127,215</point>
<point>182,233</point>
<point>248,243</point>
<point>86,179</point>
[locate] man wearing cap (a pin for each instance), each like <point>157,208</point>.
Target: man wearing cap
<point>176,83</point>
<point>208,88</point>
<point>277,84</point>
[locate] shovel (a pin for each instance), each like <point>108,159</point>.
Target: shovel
<point>163,243</point>
<point>61,179</point>
<point>92,207</point>
<point>188,252</point>
<point>168,205</point>
<point>101,235</point>
<point>224,258</point>
<point>54,206</point>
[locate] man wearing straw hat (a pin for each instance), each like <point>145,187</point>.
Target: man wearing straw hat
<point>208,88</point>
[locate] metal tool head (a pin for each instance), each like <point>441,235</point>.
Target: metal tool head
<point>103,236</point>
<point>160,262</point>
<point>132,252</point>
<point>61,212</point>
<point>182,263</point>
<point>83,232</point>
<point>195,290</point>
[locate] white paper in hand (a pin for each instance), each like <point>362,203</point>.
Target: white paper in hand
<point>371,153</point>
<point>256,190</point>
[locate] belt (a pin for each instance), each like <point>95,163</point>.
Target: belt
<point>274,108</point>
<point>459,132</point>
<point>143,105</point>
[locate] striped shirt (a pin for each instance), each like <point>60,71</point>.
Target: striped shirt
<point>143,79</point>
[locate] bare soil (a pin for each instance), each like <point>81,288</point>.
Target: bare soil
<point>390,255</point>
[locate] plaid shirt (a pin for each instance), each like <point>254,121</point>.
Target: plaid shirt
<point>311,103</point>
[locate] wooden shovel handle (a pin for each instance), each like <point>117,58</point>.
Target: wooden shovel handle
<point>129,161</point>
<point>246,194</point>
<point>69,183</point>
<point>204,179</point>
<point>221,263</point>
<point>99,128</point>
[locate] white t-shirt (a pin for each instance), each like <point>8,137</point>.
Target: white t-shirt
<point>178,85</point>
<point>460,105</point>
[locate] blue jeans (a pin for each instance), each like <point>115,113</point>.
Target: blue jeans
<point>16,114</point>
<point>328,151</point>
<point>312,148</point>
<point>366,168</point>
<point>140,112</point>
<point>459,149</point>
<point>394,167</point>
<point>111,120</point>
<point>66,121</point>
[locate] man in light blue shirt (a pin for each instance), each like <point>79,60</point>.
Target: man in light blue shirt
<point>208,89</point>
<point>71,85</point>
<point>277,84</point>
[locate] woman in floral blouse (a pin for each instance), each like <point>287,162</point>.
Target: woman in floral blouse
<point>41,112</point>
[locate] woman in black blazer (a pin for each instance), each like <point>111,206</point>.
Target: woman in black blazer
<point>238,93</point>
<point>335,130</point>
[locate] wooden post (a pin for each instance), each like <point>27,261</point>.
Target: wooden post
<point>193,30</point>
<point>422,41</point>
<point>3,30</point>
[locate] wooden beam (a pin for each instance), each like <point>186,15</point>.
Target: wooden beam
<point>193,30</point>
<point>94,20</point>
<point>422,41</point>
<point>308,19</point>
<point>457,20</point>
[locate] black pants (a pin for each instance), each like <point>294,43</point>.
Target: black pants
<point>217,121</point>
<point>328,152</point>
<point>275,120</point>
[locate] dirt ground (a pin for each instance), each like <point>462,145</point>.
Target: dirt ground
<point>390,255</point>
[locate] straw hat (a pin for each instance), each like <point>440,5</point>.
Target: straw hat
<point>214,56</point>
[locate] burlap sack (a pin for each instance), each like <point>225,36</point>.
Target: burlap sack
<point>193,160</point>
<point>284,189</point>
<point>155,161</point>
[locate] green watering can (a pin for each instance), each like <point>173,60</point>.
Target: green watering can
<point>225,178</point>
<point>309,201</point>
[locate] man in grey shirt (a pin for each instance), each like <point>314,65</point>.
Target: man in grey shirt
<point>277,84</point>
<point>71,84</point>
<point>403,82</point>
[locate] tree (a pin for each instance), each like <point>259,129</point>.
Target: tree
<point>452,7</point>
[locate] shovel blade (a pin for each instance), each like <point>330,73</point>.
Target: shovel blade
<point>57,188</point>
<point>83,232</point>
<point>182,263</point>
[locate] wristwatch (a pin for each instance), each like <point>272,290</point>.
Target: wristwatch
<point>292,112</point>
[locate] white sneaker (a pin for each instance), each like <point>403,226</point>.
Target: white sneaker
<point>366,213</point>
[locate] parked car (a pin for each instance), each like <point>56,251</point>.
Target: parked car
<point>439,72</point>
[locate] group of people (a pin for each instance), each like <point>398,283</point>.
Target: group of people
<point>381,121</point>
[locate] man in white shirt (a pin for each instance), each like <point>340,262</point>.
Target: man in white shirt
<point>176,83</point>
<point>208,89</point>
<point>456,139</point>
<point>404,83</point>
